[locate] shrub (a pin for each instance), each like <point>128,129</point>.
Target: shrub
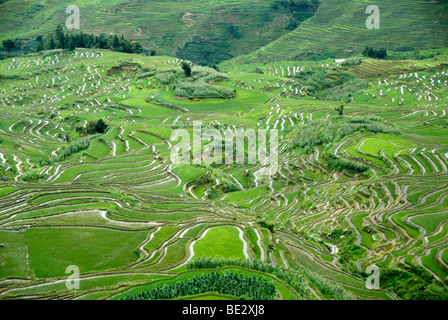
<point>73,148</point>
<point>295,277</point>
<point>93,127</point>
<point>327,287</point>
<point>201,90</point>
<point>187,68</point>
<point>267,225</point>
<point>165,77</point>
<point>227,183</point>
<point>322,132</point>
<point>32,176</point>
<point>146,75</point>
<point>373,53</point>
<point>352,62</point>
<point>259,70</point>
<point>341,164</point>
<point>348,88</point>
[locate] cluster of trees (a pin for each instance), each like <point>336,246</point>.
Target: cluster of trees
<point>34,8</point>
<point>187,68</point>
<point>340,164</point>
<point>322,132</point>
<point>292,276</point>
<point>340,110</point>
<point>346,90</point>
<point>326,287</point>
<point>296,5</point>
<point>411,283</point>
<point>373,53</point>
<point>201,90</point>
<point>330,85</point>
<point>206,53</point>
<point>8,45</point>
<point>300,9</point>
<point>73,148</point>
<point>315,81</point>
<point>267,224</point>
<point>93,127</point>
<point>194,83</point>
<point>230,283</point>
<point>32,176</point>
<point>60,40</point>
<point>227,184</point>
<point>349,251</point>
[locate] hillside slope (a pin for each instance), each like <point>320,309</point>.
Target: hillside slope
<point>368,187</point>
<point>200,31</point>
<point>339,28</point>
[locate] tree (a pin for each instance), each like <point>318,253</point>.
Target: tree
<point>292,25</point>
<point>62,42</point>
<point>71,44</point>
<point>50,45</point>
<point>135,47</point>
<point>115,43</point>
<point>93,127</point>
<point>40,44</point>
<point>39,47</point>
<point>102,42</point>
<point>382,53</point>
<point>60,36</point>
<point>340,110</point>
<point>59,31</point>
<point>187,68</point>
<point>372,53</point>
<point>8,45</point>
<point>101,126</point>
<point>58,39</point>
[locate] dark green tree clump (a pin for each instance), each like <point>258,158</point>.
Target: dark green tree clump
<point>340,110</point>
<point>340,164</point>
<point>411,283</point>
<point>32,176</point>
<point>295,277</point>
<point>266,224</point>
<point>8,45</point>
<point>230,283</point>
<point>187,68</point>
<point>93,127</point>
<point>373,53</point>
<point>73,148</point>
<point>60,40</point>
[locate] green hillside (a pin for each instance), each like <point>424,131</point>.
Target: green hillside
<point>206,32</point>
<point>338,29</point>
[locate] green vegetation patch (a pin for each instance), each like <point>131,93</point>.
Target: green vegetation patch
<point>230,283</point>
<point>52,250</point>
<point>221,241</point>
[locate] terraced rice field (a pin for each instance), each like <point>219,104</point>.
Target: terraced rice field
<point>163,26</point>
<point>131,220</point>
<point>339,28</point>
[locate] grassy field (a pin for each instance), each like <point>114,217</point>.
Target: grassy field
<point>53,249</point>
<point>220,242</point>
